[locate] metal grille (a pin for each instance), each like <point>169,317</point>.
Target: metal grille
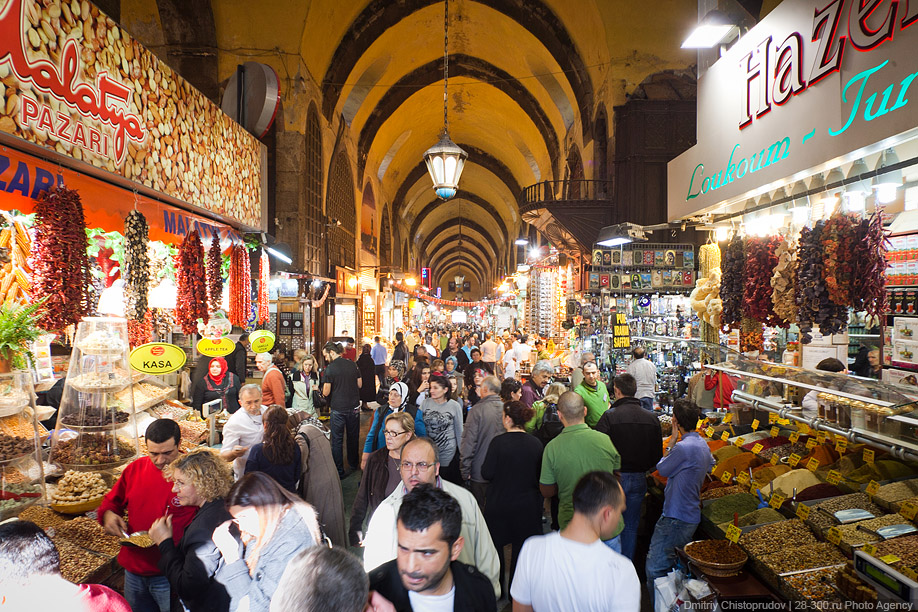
<point>340,205</point>
<point>313,183</point>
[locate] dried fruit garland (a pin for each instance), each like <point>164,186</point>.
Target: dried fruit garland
<point>58,259</point>
<point>240,287</point>
<point>760,266</point>
<point>191,303</point>
<point>784,281</point>
<point>140,332</point>
<point>731,282</point>
<point>868,286</point>
<point>752,337</point>
<point>214,275</point>
<point>813,303</point>
<point>838,238</point>
<point>136,265</point>
<point>264,277</point>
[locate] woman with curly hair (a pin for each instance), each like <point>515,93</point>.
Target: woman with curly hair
<point>278,455</point>
<point>201,478</point>
<point>269,527</point>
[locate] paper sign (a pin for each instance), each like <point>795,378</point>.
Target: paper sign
<point>699,424</point>
<point>733,533</point>
<point>841,446</point>
<point>775,431</point>
<point>774,459</point>
<point>821,437</point>
<point>772,417</point>
<point>709,432</point>
<point>757,448</point>
<point>870,549</point>
<point>833,477</point>
<point>834,535</point>
<point>728,418</point>
<point>725,436</point>
<point>794,437</point>
<point>909,573</point>
<point>725,477</point>
<point>803,428</point>
<point>813,464</point>
<point>908,510</point>
<point>739,441</point>
<point>793,460</point>
<point>811,443</point>
<point>755,424</point>
<point>776,500</point>
<point>868,455</point>
<point>889,559</point>
<point>803,511</point>
<point>872,487</point>
<point>742,478</point>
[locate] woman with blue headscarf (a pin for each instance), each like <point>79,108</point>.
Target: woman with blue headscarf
<point>399,394</point>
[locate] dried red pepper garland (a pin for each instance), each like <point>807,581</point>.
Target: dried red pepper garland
<point>240,287</point>
<point>60,265</point>
<point>140,332</point>
<point>814,305</point>
<point>136,265</point>
<point>838,237</point>
<point>264,277</point>
<point>214,275</point>
<point>868,286</point>
<point>731,282</point>
<point>191,303</point>
<point>761,262</point>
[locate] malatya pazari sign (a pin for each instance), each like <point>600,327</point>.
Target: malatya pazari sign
<point>815,84</point>
<point>73,81</point>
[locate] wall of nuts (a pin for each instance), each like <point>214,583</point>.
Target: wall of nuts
<point>191,150</point>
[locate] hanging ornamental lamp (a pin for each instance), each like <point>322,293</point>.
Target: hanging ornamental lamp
<point>445,159</point>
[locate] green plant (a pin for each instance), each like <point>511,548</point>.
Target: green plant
<point>18,329</point>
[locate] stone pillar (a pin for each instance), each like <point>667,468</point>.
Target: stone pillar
<point>290,196</point>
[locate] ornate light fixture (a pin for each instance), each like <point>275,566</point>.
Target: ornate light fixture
<point>445,159</point>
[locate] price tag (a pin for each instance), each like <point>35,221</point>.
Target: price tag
<point>793,460</point>
<point>803,511</point>
<point>811,443</point>
<point>872,487</point>
<point>725,436</point>
<point>833,477</point>
<point>774,431</point>
<point>909,573</point>
<point>733,533</point>
<point>757,448</point>
<point>755,424</point>
<point>834,535</point>
<point>728,418</point>
<point>739,441</point>
<point>889,559</point>
<point>776,500</point>
<point>709,432</point>
<point>868,455</point>
<point>699,424</point>
<point>908,510</point>
<point>774,459</point>
<point>742,478</point>
<point>725,477</point>
<point>813,464</point>
<point>841,446</point>
<point>821,437</point>
<point>870,549</point>
<point>772,417</point>
<point>803,428</point>
<point>794,437</point>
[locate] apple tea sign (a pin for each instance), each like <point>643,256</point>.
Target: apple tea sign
<point>262,341</point>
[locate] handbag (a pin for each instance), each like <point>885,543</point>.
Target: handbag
<point>318,400</point>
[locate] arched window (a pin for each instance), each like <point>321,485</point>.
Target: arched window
<point>340,205</point>
<point>385,240</point>
<point>313,255</point>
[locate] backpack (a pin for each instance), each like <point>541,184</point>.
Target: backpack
<point>550,426</point>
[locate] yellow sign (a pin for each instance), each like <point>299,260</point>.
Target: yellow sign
<point>157,358</point>
<point>757,448</point>
<point>821,437</point>
<point>793,460</point>
<point>813,464</point>
<point>709,432</point>
<point>776,500</point>
<point>834,535</point>
<point>841,446</point>
<point>775,431</point>
<point>215,347</point>
<point>834,477</point>
<point>803,428</point>
<point>803,511</point>
<point>739,441</point>
<point>794,437</point>
<point>725,477</point>
<point>774,459</point>
<point>870,549</point>
<point>742,478</point>
<point>909,573</point>
<point>621,332</point>
<point>868,455</point>
<point>872,487</point>
<point>772,417</point>
<point>811,443</point>
<point>725,436</point>
<point>699,424</point>
<point>908,510</point>
<point>889,559</point>
<point>755,424</point>
<point>262,341</point>
<point>728,418</point>
<point>733,533</point>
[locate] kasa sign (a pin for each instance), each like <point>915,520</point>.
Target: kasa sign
<point>814,81</point>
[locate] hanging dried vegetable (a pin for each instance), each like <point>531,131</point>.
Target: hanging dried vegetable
<point>136,268</point>
<point>813,303</point>
<point>784,280</point>
<point>760,266</point>
<point>838,238</point>
<point>732,281</point>
<point>240,287</point>
<point>191,302</point>
<point>58,259</point>
<point>140,332</point>
<point>264,278</point>
<point>868,286</point>
<point>161,322</point>
<point>751,336</point>
<point>214,275</point>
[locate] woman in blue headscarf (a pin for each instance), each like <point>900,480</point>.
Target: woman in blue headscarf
<point>399,395</point>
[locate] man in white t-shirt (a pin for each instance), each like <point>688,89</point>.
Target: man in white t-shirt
<point>573,569</point>
<point>645,373</point>
<point>491,351</point>
<point>243,429</point>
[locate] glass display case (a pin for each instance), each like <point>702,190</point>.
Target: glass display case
<point>21,472</point>
<point>96,425</point>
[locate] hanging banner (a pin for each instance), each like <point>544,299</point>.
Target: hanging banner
<point>85,90</point>
<point>215,347</point>
<point>261,340</point>
<point>621,332</point>
<point>157,358</point>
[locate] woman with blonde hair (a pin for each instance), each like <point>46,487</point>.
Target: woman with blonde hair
<point>269,527</point>
<point>201,478</point>
<point>552,394</point>
<point>278,455</point>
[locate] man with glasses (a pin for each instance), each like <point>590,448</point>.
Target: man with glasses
<point>420,465</point>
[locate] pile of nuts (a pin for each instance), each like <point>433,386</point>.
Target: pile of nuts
<point>88,534</point>
<point>43,517</point>
<point>76,564</point>
<point>792,559</point>
<point>193,431</point>
<point>78,487</point>
<point>91,449</point>
<point>777,536</point>
<point>13,447</point>
<point>851,535</point>
<point>715,551</point>
<point>906,548</point>
<point>815,586</point>
<point>824,520</point>
<point>95,417</point>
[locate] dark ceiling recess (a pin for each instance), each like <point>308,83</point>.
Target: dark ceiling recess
<point>472,199</point>
<point>467,224</point>
<point>753,7</point>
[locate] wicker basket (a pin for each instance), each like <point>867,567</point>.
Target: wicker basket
<point>720,570</point>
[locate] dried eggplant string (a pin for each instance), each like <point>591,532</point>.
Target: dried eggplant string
<point>136,271</point>
<point>214,275</point>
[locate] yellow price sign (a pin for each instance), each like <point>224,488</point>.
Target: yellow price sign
<point>772,417</point>
<point>821,437</point>
<point>870,549</point>
<point>890,559</point>
<point>742,478</point>
<point>733,533</point>
<point>755,424</point>
<point>841,446</point>
<point>834,535</point>
<point>725,436</point>
<point>803,511</point>
<point>739,441</point>
<point>834,477</point>
<point>776,500</point>
<point>709,432</point>
<point>757,448</point>
<point>793,460</point>
<point>872,487</point>
<point>803,428</point>
<point>811,443</point>
<point>699,424</point>
<point>728,418</point>
<point>909,573</point>
<point>813,464</point>
<point>868,455</point>
<point>775,431</point>
<point>908,510</point>
<point>725,477</point>
<point>774,459</point>
<point>794,437</point>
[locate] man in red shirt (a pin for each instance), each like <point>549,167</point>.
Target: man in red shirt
<point>146,495</point>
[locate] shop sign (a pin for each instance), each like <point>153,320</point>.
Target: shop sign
<point>215,347</point>
<point>261,341</point>
<point>814,82</point>
<point>621,332</point>
<point>79,86</point>
<point>157,358</point>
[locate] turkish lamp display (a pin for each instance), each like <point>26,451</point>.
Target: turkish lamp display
<point>445,161</point>
<point>856,193</point>
<point>887,183</point>
<point>712,30</point>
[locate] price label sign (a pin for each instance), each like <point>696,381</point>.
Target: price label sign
<point>725,477</point>
<point>709,432</point>
<point>755,424</point>
<point>834,477</point>
<point>725,436</point>
<point>870,549</point>
<point>821,437</point>
<point>728,418</point>
<point>872,487</point>
<point>793,460</point>
<point>742,478</point>
<point>733,533</point>
<point>774,459</point>
<point>834,535</point>
<point>868,455</point>
<point>739,441</point>
<point>775,431</point>
<point>794,437</point>
<point>803,511</point>
<point>909,573</point>
<point>813,464</point>
<point>841,446</point>
<point>908,510</point>
<point>811,443</point>
<point>890,559</point>
<point>776,500</point>
<point>699,424</point>
<point>772,417</point>
<point>757,448</point>
<point>803,428</point>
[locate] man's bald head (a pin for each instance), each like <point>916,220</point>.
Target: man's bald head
<point>571,407</point>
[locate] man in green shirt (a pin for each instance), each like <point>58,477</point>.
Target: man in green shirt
<point>576,451</point>
<point>594,393</point>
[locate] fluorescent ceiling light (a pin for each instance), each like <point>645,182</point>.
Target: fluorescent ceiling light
<point>278,255</point>
<point>521,242</point>
<point>710,31</point>
<point>611,242</point>
<point>622,233</point>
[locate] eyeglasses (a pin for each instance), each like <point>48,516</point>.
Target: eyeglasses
<point>392,434</point>
<point>407,466</point>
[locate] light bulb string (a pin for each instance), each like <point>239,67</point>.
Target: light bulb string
<point>445,63</point>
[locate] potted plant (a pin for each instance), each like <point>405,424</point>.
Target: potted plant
<point>18,329</point>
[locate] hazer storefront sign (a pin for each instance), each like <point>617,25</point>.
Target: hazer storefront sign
<point>815,81</point>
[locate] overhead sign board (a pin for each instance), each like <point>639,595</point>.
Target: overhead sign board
<point>157,358</point>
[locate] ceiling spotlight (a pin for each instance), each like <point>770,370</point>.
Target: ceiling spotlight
<point>521,242</point>
<point>713,29</point>
<point>623,233</point>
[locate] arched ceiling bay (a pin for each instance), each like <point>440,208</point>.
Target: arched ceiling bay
<point>443,277</point>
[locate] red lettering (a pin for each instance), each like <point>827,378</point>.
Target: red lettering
<point>94,139</point>
<point>79,136</point>
<point>63,124</point>
<point>862,36</point>
<point>28,110</point>
<point>44,120</point>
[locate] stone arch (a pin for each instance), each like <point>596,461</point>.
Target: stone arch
<point>340,205</point>
<point>312,184</point>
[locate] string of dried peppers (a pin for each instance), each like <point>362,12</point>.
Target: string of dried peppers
<point>732,280</point>
<point>191,303</point>
<point>760,266</point>
<point>868,285</point>
<point>264,277</point>
<point>838,238</point>
<point>240,287</point>
<point>813,303</point>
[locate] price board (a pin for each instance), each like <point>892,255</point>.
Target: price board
<point>775,431</point>
<point>908,510</point>
<point>793,460</point>
<point>725,477</point>
<point>811,443</point>
<point>870,549</point>
<point>794,437</point>
<point>774,459</point>
<point>803,511</point>
<point>772,417</point>
<point>834,535</point>
<point>841,446</point>
<point>813,464</point>
<point>821,437</point>
<point>725,436</point>
<point>709,432</point>
<point>757,448</point>
<point>872,487</point>
<point>889,559</point>
<point>868,455</point>
<point>834,477</point>
<point>739,441</point>
<point>733,533</point>
<point>755,424</point>
<point>742,478</point>
<point>776,500</point>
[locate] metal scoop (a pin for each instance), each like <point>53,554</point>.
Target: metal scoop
<point>138,539</point>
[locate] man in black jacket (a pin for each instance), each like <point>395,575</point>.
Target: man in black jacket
<point>637,435</point>
<point>426,571</point>
<point>237,359</point>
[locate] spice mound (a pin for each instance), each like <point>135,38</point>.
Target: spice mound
<point>821,554</point>
<point>715,552</point>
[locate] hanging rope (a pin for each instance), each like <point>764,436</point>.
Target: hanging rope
<point>445,62</point>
